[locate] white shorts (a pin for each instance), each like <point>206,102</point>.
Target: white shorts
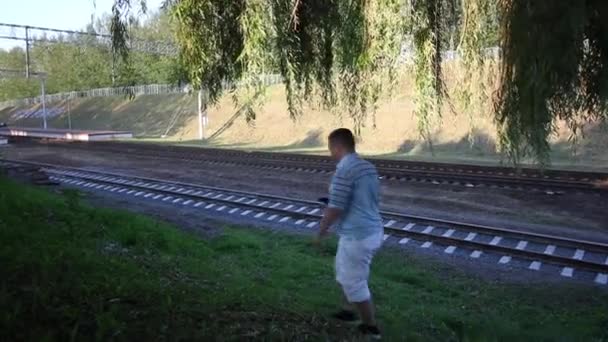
<point>352,265</point>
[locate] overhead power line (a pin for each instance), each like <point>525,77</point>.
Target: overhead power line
<point>36,34</point>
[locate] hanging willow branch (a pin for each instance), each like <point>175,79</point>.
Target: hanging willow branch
<point>427,60</point>
<point>550,74</point>
<point>345,51</point>
<point>554,63</point>
<point>368,44</point>
<point>304,44</point>
<point>431,22</point>
<point>255,57</point>
<point>477,33</point>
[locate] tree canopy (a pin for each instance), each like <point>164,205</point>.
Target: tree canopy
<point>553,63</point>
<point>78,62</point>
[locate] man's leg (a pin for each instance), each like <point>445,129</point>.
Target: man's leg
<point>348,310</point>
<point>355,285</point>
<point>367,312</point>
<point>353,261</point>
<point>361,298</point>
<point>348,313</point>
<point>352,271</point>
<point>346,305</point>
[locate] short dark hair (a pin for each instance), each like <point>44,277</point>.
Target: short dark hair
<point>344,137</point>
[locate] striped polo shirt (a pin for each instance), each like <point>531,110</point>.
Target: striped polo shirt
<point>355,189</point>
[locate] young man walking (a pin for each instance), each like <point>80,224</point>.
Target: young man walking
<point>354,208</point>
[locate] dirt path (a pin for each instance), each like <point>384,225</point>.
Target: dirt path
<point>577,216</point>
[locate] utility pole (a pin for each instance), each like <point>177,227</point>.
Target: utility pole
<point>43,94</point>
<point>202,114</point>
<point>69,113</point>
<point>27,52</point>
<point>113,71</point>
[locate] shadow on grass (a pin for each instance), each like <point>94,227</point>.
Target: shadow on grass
<point>480,148</point>
<point>477,148</point>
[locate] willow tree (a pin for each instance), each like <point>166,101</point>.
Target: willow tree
<point>553,65</point>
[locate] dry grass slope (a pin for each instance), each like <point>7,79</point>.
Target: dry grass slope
<point>172,118</point>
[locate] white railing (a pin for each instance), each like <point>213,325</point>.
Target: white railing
<point>149,89</point>
<point>407,54</point>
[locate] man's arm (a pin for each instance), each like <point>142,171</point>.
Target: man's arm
<point>339,199</point>
<point>330,216</point>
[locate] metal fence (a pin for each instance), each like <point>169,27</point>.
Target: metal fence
<point>149,89</point>
<point>407,54</point>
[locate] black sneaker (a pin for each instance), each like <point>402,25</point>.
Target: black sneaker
<point>346,316</point>
<point>370,331</point>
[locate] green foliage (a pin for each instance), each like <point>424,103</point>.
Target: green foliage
<point>345,51</point>
<point>368,47</point>
<point>428,20</point>
<point>478,32</point>
<point>14,88</point>
<point>211,41</point>
<point>544,77</point>
<point>81,62</point>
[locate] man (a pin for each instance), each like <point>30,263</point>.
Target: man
<point>353,207</point>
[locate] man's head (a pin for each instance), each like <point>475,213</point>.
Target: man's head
<point>341,142</point>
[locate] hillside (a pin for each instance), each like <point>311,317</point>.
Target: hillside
<point>172,118</point>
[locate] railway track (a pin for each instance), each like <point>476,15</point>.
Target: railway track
<point>585,260</point>
<point>549,181</point>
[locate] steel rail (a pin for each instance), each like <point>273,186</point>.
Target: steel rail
<point>451,233</point>
<point>390,170</point>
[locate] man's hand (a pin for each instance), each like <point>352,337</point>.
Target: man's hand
<point>330,216</point>
<point>323,232</point>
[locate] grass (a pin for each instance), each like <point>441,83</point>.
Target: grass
<point>71,272</point>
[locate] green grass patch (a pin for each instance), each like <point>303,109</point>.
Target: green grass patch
<point>70,272</point>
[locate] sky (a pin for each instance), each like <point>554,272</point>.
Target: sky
<point>59,14</point>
